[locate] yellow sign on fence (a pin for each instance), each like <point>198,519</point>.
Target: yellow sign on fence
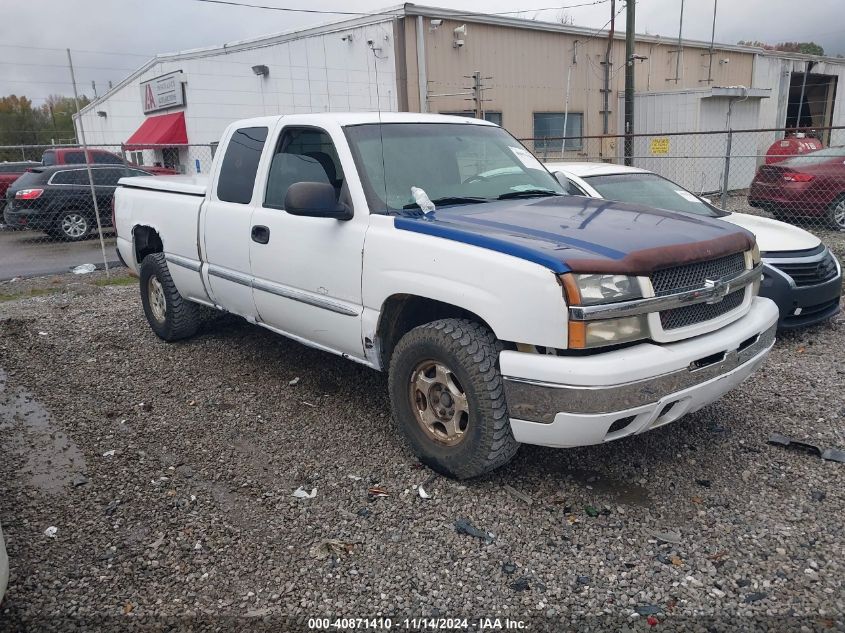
<point>660,145</point>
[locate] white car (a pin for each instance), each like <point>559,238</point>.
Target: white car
<point>801,275</point>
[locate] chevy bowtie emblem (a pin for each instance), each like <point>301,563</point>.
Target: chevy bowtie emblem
<point>717,290</point>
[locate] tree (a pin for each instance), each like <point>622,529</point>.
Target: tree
<point>808,48</point>
<point>22,123</point>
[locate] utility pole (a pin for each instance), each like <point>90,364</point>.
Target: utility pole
<point>629,80</point>
<point>607,64</point>
<point>678,52</point>
<point>712,39</point>
<point>88,163</point>
<point>477,95</point>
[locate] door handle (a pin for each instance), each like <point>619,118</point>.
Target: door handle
<point>260,234</point>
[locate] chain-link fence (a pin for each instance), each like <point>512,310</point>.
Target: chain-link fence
<point>57,203</point>
<point>795,177</point>
<point>51,210</point>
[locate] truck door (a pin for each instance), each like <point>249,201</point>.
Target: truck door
<point>225,224</point>
<point>307,270</point>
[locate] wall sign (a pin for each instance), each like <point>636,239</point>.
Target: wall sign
<point>163,92</point>
<point>660,145</point>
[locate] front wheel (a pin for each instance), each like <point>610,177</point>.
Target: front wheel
<point>836,214</point>
<point>171,316</point>
<point>448,399</point>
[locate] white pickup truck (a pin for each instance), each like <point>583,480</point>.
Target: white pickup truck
<point>440,250</point>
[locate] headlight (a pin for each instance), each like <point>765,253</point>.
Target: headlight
<point>592,289</point>
<point>755,255</point>
<point>584,334</point>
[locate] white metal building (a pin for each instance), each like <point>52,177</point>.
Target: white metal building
<point>540,80</point>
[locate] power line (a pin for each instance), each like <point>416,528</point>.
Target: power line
<point>77,50</point>
<point>377,13</point>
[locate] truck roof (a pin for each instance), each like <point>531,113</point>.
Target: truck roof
<point>360,118</point>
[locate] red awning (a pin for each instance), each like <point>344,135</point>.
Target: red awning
<point>165,129</point>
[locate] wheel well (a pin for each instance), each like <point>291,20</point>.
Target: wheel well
<point>402,313</point>
<point>147,241</point>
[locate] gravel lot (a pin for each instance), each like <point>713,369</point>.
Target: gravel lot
<point>169,471</point>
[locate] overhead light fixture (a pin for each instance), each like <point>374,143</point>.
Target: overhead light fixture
<point>460,33</point>
<point>434,24</point>
<point>261,70</point>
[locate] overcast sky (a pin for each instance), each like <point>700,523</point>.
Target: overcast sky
<point>110,38</point>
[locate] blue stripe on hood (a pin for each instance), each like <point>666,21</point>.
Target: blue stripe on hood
<point>430,227</point>
<point>565,233</point>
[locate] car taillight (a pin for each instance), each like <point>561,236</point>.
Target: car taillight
<point>113,223</point>
<point>797,177</point>
<point>28,194</point>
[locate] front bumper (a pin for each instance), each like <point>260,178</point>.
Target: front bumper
<point>565,401</point>
<point>800,306</point>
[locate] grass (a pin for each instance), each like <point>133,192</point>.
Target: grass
<point>121,280</point>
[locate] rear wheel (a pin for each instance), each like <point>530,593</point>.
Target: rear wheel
<point>171,316</point>
<point>71,226</point>
<point>448,399</point>
<point>836,213</point>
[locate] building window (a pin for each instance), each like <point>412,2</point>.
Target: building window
<point>549,125</point>
<point>137,158</point>
<point>492,116</point>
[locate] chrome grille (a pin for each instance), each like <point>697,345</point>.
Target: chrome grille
<point>692,276</point>
<point>809,273</point>
<point>700,312</point>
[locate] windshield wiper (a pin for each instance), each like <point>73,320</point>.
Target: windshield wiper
<point>528,193</point>
<point>450,200</point>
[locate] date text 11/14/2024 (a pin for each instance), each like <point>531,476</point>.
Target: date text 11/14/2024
<point>417,624</point>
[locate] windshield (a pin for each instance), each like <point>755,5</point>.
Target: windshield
<point>650,190</point>
<point>451,162</point>
<point>815,158</point>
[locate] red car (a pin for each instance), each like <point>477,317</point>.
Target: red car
<point>808,186</point>
<point>75,156</point>
<point>9,173</point>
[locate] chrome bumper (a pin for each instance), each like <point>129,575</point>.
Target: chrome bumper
<point>538,401</point>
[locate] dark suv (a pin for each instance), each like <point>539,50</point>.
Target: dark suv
<point>57,200</point>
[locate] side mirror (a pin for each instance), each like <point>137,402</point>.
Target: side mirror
<point>563,180</point>
<point>315,200</point>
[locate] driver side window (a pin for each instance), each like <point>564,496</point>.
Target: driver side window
<point>303,155</point>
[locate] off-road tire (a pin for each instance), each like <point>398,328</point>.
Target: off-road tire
<point>471,351</point>
<point>182,318</point>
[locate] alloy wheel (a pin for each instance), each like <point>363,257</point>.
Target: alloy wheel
<point>74,225</point>
<point>158,303</point>
<point>439,402</point>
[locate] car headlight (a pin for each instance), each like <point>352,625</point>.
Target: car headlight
<point>755,255</point>
<point>587,334</point>
<point>594,289</point>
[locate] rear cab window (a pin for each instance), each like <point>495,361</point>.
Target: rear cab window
<point>240,165</point>
<point>48,158</point>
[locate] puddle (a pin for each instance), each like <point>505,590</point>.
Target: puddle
<point>612,491</point>
<point>50,458</point>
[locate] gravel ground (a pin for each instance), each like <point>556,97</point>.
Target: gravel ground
<point>169,471</point>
